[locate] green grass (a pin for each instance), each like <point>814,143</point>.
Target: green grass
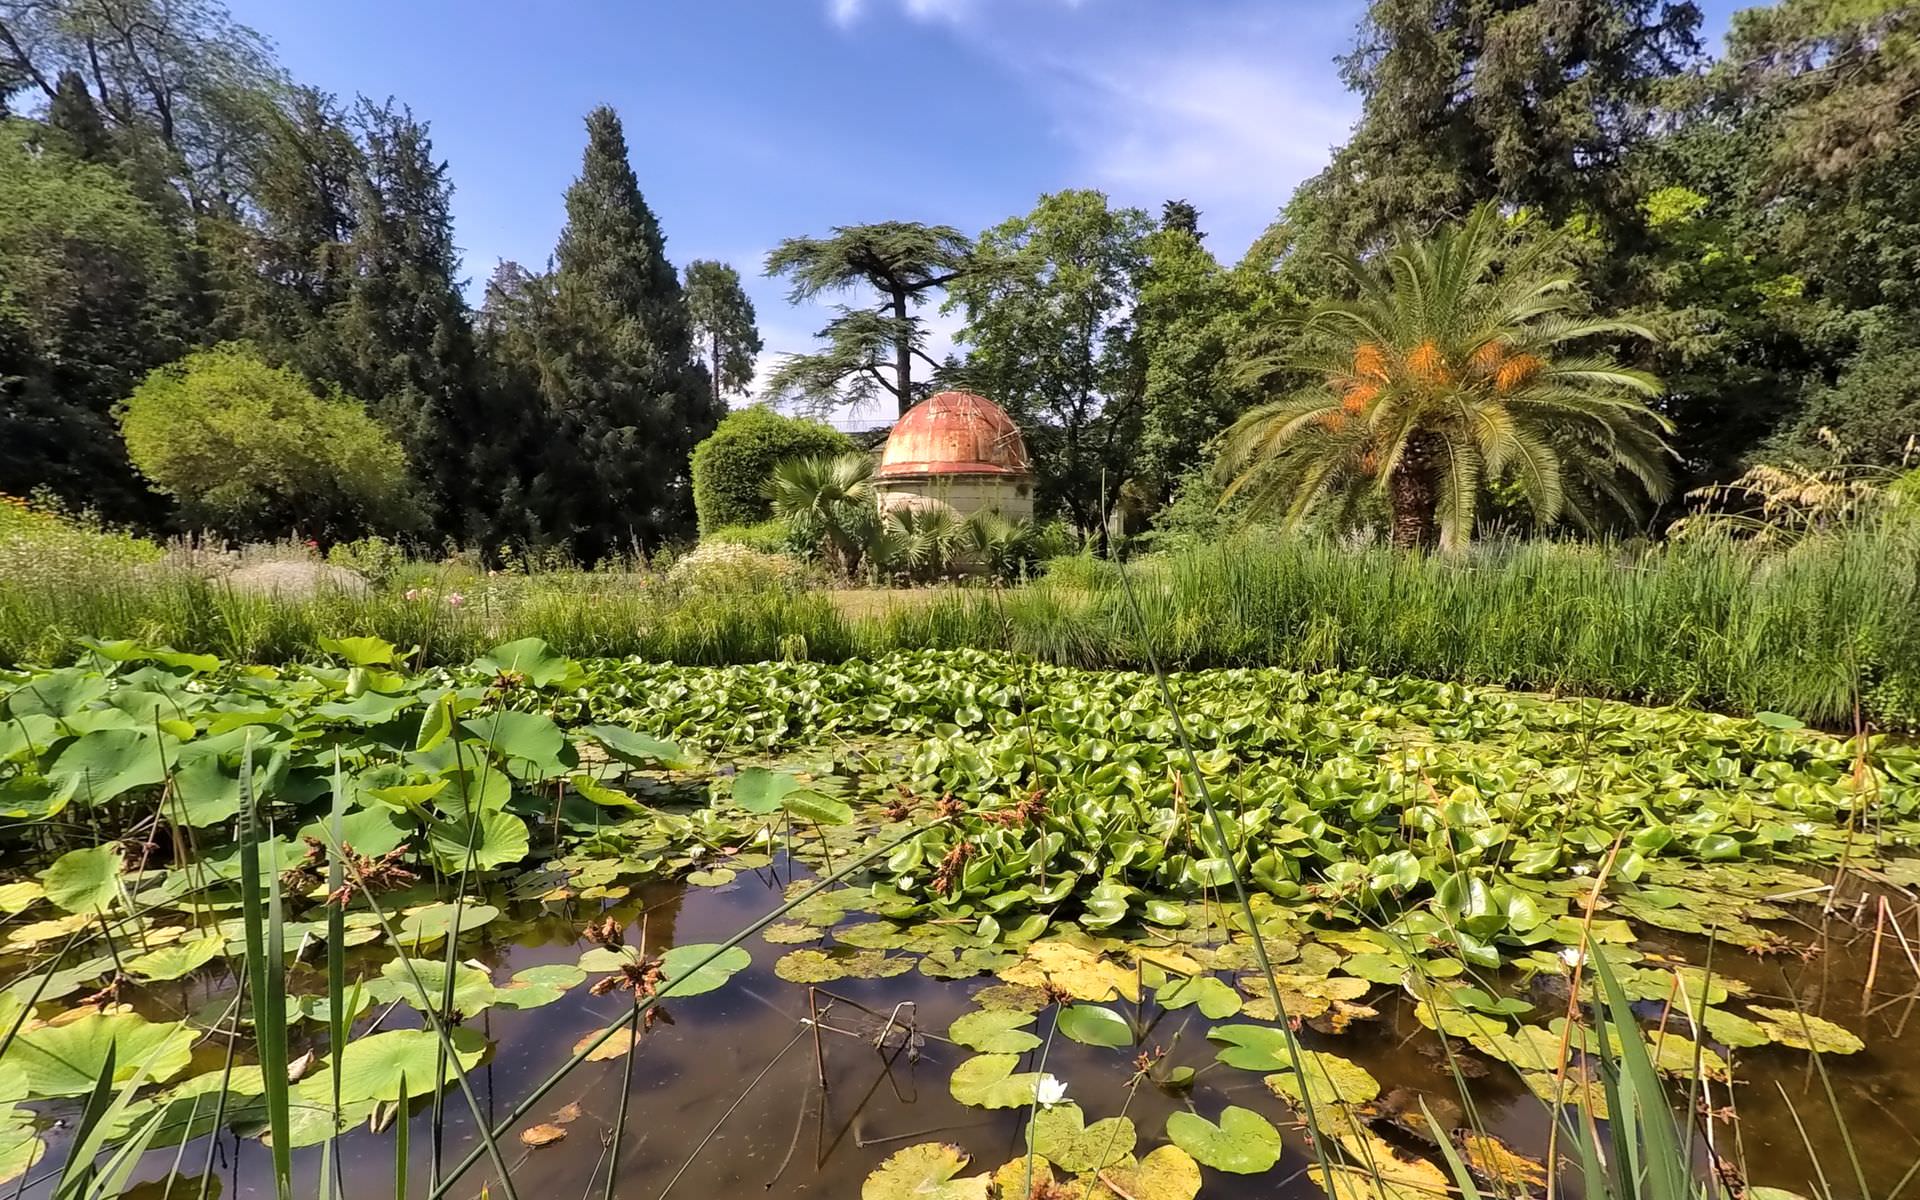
<point>1708,623</point>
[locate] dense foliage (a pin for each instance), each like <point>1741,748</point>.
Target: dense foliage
<point>732,466</point>
<point>250,449</point>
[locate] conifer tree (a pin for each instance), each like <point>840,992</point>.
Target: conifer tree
<point>628,398</point>
<point>72,112</point>
<point>403,334</point>
<point>723,328</point>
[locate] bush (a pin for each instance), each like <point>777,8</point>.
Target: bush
<point>768,537</point>
<point>254,450</point>
<point>731,468</point>
<point>721,567</point>
<point>374,559</point>
<point>41,541</point>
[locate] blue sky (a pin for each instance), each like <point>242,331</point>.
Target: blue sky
<point>752,120</point>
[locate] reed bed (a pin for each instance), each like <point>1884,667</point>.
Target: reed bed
<point>1825,632</point>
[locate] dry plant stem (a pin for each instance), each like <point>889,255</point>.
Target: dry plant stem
<point>1873,961</point>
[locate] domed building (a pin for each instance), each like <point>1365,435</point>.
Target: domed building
<point>960,451</point>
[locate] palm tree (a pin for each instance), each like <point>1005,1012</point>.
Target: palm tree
<point>1448,372</point>
<point>830,502</point>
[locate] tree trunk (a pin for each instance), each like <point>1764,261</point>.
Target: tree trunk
<point>717,405</point>
<point>903,355</point>
<point>1411,492</point>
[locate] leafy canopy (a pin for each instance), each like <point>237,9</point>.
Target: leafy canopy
<point>254,450</point>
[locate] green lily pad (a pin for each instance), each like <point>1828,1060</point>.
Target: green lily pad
<point>825,966</point>
<point>1061,1135</point>
<point>1214,998</point>
<point>685,976</point>
<point>988,1081</point>
<point>1254,1047</point>
<point>925,1172</point>
<point>1094,1025</point>
<point>1243,1143</point>
<point>372,1068</point>
<point>1732,1029</point>
<point>994,1031</point>
<point>20,1144</point>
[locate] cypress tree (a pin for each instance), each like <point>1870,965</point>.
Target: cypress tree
<point>628,397</point>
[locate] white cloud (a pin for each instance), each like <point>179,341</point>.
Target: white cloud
<point>1231,129</point>
<point>844,12</point>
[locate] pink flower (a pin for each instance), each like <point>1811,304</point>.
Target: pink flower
<point>413,593</point>
<point>455,599</point>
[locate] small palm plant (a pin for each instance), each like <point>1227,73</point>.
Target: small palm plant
<point>1448,372</point>
<point>829,502</point>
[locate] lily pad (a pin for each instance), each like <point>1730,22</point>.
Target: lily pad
<point>1094,1025</point>
<point>988,1081</point>
<point>176,961</point>
<point>66,1059</point>
<point>1330,1079</point>
<point>372,1067</point>
<point>825,966</point>
<point>1243,1143</point>
<point>1076,970</point>
<point>1061,1135</point>
<point>1804,1031</point>
<point>678,967</point>
<point>1166,1173</point>
<point>994,1031</point>
<point>925,1172</point>
<point>1214,999</point>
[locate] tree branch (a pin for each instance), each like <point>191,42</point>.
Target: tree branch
<point>20,55</point>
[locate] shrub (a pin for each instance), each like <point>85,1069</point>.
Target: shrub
<point>254,450</point>
<point>721,567</point>
<point>768,537</point>
<point>42,541</point>
<point>374,558</point>
<point>731,468</point>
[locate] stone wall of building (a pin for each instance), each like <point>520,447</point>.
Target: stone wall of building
<point>965,494</point>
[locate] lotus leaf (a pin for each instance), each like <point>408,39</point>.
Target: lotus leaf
<point>66,1059</point>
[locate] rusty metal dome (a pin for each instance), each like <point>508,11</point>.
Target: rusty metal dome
<point>954,433</point>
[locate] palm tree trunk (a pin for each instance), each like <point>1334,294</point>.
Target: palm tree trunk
<point>1412,494</point>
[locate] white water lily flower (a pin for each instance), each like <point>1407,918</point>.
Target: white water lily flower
<point>1582,869</point>
<point>1572,956</point>
<point>1050,1091</point>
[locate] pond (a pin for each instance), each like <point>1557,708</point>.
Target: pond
<point>724,1095</point>
<point>1033,926</point>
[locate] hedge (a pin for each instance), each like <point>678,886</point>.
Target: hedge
<point>731,467</point>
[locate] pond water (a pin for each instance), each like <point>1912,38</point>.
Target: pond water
<point>724,1096</point>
